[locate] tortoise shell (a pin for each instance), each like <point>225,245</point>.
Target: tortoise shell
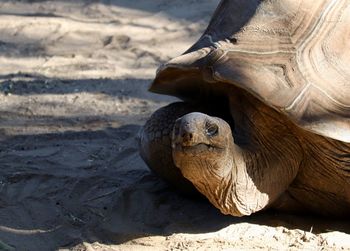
<point>294,55</point>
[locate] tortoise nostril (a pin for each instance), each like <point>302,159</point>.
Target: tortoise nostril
<point>187,137</point>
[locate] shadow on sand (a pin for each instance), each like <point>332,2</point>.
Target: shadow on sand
<point>35,84</point>
<point>62,189</point>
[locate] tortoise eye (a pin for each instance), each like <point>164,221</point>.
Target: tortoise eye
<point>211,129</point>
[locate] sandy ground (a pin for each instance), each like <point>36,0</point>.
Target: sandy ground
<point>73,90</point>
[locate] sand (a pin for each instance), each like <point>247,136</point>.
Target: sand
<point>73,90</point>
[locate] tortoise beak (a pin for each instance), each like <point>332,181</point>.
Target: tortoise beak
<point>184,133</point>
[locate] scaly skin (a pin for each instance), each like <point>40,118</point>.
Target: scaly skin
<point>264,162</point>
<point>155,145</point>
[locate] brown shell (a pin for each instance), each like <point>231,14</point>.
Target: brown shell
<point>294,55</point>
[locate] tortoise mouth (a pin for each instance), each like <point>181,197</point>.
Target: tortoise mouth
<point>197,148</point>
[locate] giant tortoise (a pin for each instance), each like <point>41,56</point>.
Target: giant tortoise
<point>265,117</point>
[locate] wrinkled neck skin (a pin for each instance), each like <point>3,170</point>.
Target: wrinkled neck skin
<point>267,153</point>
<point>227,185</point>
<point>260,161</point>
<point>244,182</point>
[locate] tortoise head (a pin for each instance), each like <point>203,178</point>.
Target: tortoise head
<point>204,151</point>
<point>202,146</point>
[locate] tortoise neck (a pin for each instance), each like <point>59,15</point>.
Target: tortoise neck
<point>270,149</point>
<point>237,193</point>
